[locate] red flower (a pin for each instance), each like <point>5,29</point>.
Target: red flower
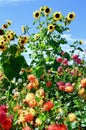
<point>48,106</point>
<point>2,116</point>
<point>48,84</point>
<point>26,128</point>
<point>28,118</point>
<point>4,108</point>
<point>7,124</point>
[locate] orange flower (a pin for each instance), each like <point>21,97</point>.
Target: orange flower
<point>83,82</point>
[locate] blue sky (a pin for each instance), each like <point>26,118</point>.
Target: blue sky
<point>20,13</point>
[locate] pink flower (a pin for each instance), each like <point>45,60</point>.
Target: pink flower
<point>75,57</point>
<point>65,62</point>
<point>78,61</point>
<point>59,59</point>
<point>26,128</point>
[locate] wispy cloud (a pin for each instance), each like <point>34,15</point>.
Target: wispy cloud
<point>71,39</point>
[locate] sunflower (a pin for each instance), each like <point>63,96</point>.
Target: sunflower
<point>71,16</point>
<point>9,22</point>
<point>2,46</point>
<point>23,28</point>
<point>36,37</point>
<point>36,14</point>
<point>57,16</point>
<point>41,9</point>
<point>5,26</point>
<point>47,10</point>
<point>23,40</point>
<point>81,42</point>
<point>10,35</point>
<point>51,27</point>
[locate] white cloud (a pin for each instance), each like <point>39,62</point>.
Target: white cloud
<point>71,39</point>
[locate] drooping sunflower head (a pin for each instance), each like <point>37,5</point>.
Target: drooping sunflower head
<point>47,10</point>
<point>51,27</point>
<point>5,26</point>
<point>57,16</point>
<point>71,16</point>
<point>41,9</point>
<point>81,42</point>
<point>23,28</point>
<point>9,22</point>
<point>36,14</point>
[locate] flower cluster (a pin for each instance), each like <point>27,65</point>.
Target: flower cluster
<point>5,120</point>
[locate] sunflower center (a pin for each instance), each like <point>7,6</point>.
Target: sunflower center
<point>71,16</point>
<point>57,15</point>
<point>51,27</point>
<point>47,10</point>
<point>1,31</point>
<point>1,47</point>
<point>37,14</point>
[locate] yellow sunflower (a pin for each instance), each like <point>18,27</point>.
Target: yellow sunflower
<point>23,40</point>
<point>36,37</point>
<point>9,22</point>
<point>23,28</point>
<point>81,42</point>
<point>10,35</point>
<point>36,14</point>
<point>47,10</point>
<point>71,16</point>
<point>41,8</point>
<point>51,27</point>
<point>57,16</point>
<point>5,26</point>
<point>2,46</point>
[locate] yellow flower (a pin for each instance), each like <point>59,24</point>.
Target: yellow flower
<point>23,39</point>
<point>36,14</point>
<point>41,8</point>
<point>2,45</point>
<point>9,22</point>
<point>80,42</point>
<point>36,37</point>
<point>4,26</point>
<point>47,10</point>
<point>23,29</point>
<point>71,16</point>
<point>57,16</point>
<point>10,35</point>
<point>51,27</point>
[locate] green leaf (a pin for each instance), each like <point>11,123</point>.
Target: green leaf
<point>74,124</point>
<point>80,49</point>
<point>40,70</point>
